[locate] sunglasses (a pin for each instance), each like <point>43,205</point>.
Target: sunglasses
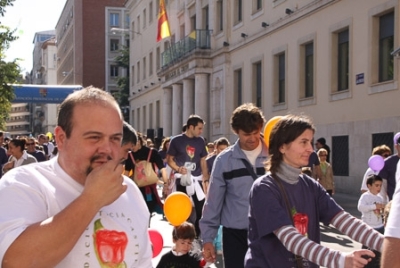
<point>385,155</point>
<point>28,144</point>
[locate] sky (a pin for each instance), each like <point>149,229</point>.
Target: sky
<point>29,17</point>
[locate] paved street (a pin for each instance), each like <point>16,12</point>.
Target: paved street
<point>329,235</point>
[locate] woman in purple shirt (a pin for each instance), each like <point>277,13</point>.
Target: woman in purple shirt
<point>286,209</point>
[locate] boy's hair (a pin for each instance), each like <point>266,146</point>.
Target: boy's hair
<point>184,231</point>
<point>373,178</point>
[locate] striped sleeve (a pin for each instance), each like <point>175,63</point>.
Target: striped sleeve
<point>300,245</point>
<point>358,230</point>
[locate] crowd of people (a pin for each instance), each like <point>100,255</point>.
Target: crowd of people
<point>24,150</point>
<point>95,187</point>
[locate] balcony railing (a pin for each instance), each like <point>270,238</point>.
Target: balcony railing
<point>196,39</point>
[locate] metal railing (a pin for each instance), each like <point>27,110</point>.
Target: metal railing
<point>197,39</point>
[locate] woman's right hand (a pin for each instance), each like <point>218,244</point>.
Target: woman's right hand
<point>358,258</point>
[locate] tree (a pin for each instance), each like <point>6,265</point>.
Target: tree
<point>122,96</point>
<point>9,71</point>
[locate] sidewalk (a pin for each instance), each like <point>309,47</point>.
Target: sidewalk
<point>348,203</point>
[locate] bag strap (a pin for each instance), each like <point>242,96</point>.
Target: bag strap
<point>133,159</point>
<point>299,259</point>
<point>249,169</point>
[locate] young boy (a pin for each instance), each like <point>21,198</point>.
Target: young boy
<point>371,206</point>
<point>180,255</point>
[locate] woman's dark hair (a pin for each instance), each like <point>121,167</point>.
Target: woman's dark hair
<point>286,130</point>
<point>19,143</point>
<point>184,231</point>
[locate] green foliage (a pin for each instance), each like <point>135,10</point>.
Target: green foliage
<point>3,4</point>
<point>9,71</point>
<point>122,95</point>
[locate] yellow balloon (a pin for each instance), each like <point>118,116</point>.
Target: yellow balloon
<point>269,126</point>
<point>50,135</point>
<point>177,208</point>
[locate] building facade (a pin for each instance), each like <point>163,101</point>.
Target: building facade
<point>329,59</point>
<point>44,116</point>
<point>35,118</point>
<point>83,40</point>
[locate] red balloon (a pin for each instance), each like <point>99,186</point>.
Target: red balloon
<point>157,241</point>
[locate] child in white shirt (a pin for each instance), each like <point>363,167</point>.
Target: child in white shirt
<point>371,205</point>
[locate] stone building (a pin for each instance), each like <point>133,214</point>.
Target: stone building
<point>330,59</point>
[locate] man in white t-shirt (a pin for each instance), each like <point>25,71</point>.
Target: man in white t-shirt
<point>76,210</point>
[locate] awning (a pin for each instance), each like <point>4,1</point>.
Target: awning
<point>42,93</point>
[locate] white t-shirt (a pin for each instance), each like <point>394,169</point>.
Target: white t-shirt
<point>252,155</point>
<point>366,205</point>
<point>392,228</point>
<point>382,193</point>
<point>35,192</point>
<point>50,147</point>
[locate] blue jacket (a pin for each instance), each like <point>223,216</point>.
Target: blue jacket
<point>227,202</point>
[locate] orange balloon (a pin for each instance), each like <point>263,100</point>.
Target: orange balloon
<point>177,208</point>
<point>269,126</point>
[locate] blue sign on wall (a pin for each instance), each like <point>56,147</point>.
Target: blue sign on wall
<point>359,79</point>
<point>42,93</point>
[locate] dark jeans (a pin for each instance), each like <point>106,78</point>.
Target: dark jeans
<point>234,247</point>
<point>198,205</point>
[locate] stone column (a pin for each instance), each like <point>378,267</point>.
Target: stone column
<point>176,109</point>
<point>188,99</point>
<point>201,103</point>
<point>167,112</point>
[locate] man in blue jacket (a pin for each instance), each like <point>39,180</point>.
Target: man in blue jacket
<point>232,176</point>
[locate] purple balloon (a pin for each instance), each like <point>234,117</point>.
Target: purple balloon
<point>376,162</point>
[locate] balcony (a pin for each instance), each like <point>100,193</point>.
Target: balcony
<point>198,39</point>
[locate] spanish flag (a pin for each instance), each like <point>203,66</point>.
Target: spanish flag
<point>163,25</point>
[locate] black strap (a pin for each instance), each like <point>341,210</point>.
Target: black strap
<point>249,169</point>
<point>299,259</point>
